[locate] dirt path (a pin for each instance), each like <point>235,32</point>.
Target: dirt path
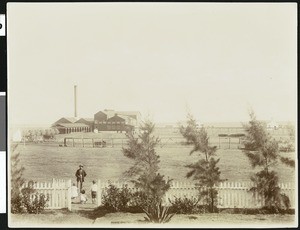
<point>82,207</point>
<point>84,215</point>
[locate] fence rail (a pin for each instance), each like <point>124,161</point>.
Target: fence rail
<point>230,194</point>
<point>58,191</point>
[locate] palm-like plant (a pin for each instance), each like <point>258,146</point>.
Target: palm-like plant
<point>158,214</point>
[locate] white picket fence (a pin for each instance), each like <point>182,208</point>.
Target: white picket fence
<point>58,191</point>
<point>230,194</point>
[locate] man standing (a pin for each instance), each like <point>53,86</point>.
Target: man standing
<point>80,174</point>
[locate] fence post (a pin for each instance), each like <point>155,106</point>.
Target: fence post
<point>69,200</point>
<point>99,193</point>
<point>54,198</point>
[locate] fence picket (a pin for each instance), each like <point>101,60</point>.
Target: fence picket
<point>230,194</point>
<point>57,191</point>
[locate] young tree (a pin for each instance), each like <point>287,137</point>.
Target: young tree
<point>21,197</point>
<point>17,180</point>
<point>262,151</point>
<point>144,170</point>
<point>205,170</point>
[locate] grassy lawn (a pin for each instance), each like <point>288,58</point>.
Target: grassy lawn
<point>44,162</point>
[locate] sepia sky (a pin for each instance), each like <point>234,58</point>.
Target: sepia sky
<point>214,60</point>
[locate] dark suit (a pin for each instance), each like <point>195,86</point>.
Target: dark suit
<point>80,174</point>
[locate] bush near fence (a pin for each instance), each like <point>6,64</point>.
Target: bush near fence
<point>230,194</point>
<point>58,192</point>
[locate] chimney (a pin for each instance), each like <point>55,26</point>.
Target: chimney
<point>75,100</point>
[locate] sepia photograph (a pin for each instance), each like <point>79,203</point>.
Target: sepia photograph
<point>152,115</point>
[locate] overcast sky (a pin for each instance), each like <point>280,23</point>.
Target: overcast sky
<point>215,60</point>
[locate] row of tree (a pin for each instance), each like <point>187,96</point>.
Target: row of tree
<point>261,149</point>
<point>40,134</point>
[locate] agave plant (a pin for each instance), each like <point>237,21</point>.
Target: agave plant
<point>158,214</point>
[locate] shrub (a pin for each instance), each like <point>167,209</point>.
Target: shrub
<point>152,189</point>
<point>185,205</point>
<point>36,203</point>
<point>16,204</point>
<point>17,180</point>
<point>32,201</point>
<point>158,214</point>
<point>138,201</point>
<point>116,199</point>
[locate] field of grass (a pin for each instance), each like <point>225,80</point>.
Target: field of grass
<point>44,162</point>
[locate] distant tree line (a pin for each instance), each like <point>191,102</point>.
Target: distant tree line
<point>37,135</point>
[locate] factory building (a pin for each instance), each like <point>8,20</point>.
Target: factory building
<point>88,121</point>
<point>107,120</point>
<point>65,128</point>
<point>110,120</point>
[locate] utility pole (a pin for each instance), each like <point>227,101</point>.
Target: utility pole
<point>75,100</point>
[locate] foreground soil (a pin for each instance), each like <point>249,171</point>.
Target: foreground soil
<point>86,218</point>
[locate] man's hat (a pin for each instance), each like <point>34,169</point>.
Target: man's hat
<point>81,165</point>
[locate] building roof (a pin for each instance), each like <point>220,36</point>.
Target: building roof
<point>126,117</point>
<point>86,119</point>
<point>110,113</point>
<point>71,125</point>
<point>100,112</point>
<point>66,120</point>
<point>133,114</point>
<point>71,119</point>
<point>129,112</point>
<point>116,117</point>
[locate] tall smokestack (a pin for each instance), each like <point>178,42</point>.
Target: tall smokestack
<point>75,100</point>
